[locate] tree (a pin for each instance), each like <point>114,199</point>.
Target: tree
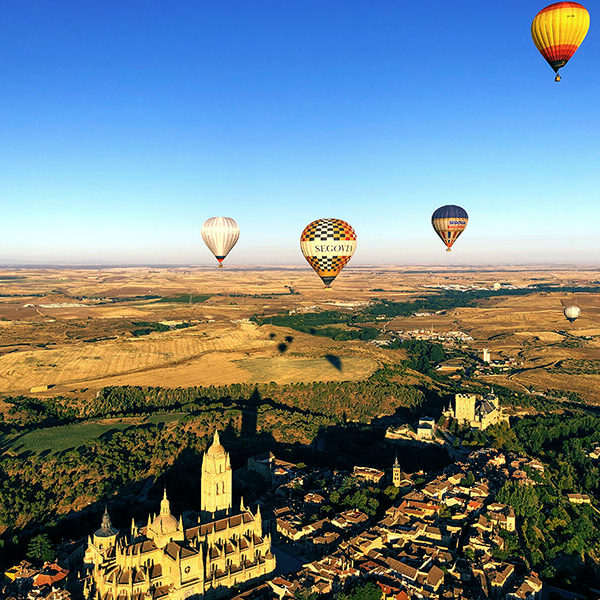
<point>303,594</point>
<point>392,492</point>
<point>367,591</point>
<point>469,479</point>
<point>522,498</point>
<point>40,548</point>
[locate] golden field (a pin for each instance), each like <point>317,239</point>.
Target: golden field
<point>71,329</point>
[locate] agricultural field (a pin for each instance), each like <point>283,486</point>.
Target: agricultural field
<point>74,331</point>
<point>56,439</point>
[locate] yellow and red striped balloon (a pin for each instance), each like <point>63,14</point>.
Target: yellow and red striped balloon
<point>558,31</point>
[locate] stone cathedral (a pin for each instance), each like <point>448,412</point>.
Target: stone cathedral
<point>166,560</point>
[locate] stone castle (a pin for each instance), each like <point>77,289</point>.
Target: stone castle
<point>168,561</point>
<point>478,411</point>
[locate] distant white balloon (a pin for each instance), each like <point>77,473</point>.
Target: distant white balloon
<point>220,234</point>
<point>572,312</point>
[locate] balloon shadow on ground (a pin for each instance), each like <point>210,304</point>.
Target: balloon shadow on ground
<point>334,360</point>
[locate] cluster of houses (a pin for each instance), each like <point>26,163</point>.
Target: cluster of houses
<point>442,537</point>
<point>491,366</point>
<point>443,337</point>
<point>25,580</point>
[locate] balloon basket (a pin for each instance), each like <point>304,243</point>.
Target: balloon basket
<point>448,249</point>
<point>220,266</point>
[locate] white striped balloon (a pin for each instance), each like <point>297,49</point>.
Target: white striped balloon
<point>220,234</point>
<point>572,313</point>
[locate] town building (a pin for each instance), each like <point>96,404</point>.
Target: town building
<point>579,499</point>
<point>167,560</point>
<point>426,428</point>
<point>368,474</point>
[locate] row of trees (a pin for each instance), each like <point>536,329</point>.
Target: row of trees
<point>316,324</point>
<point>358,400</point>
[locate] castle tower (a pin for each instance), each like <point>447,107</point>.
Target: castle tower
<point>217,487</point>
<point>396,473</point>
<point>464,407</point>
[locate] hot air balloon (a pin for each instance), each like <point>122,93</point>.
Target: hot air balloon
<point>572,312</point>
<point>220,234</point>
<point>328,245</point>
<point>449,222</point>
<point>558,30</point>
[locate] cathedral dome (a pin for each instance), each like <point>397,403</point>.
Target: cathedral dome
<point>106,529</point>
<point>165,522</point>
<point>216,448</point>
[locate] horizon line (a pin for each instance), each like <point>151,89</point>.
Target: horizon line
<point>278,266</point>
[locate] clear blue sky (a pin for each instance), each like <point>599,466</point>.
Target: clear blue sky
<point>124,125</point>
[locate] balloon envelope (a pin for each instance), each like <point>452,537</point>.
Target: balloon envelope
<point>449,222</point>
<point>328,245</point>
<point>220,234</point>
<point>558,30</point>
<point>572,312</point>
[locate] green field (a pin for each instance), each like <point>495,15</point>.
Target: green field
<point>55,439</point>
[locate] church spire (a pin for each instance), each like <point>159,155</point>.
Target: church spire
<point>165,505</point>
<point>106,524</point>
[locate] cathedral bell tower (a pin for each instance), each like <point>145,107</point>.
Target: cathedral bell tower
<point>216,482</point>
<point>396,473</point>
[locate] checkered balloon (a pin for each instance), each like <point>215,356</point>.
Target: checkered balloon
<point>328,245</point>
